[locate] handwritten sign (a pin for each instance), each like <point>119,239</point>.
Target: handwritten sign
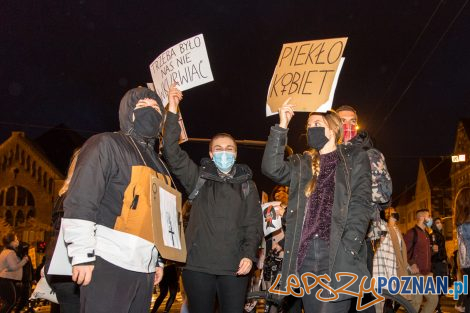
<point>186,63</point>
<point>305,72</point>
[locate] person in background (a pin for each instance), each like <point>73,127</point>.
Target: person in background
<point>439,261</point>
<point>67,291</point>
<point>419,250</point>
<point>11,271</point>
<point>462,222</point>
<point>169,283</point>
<point>329,188</point>
<point>390,258</point>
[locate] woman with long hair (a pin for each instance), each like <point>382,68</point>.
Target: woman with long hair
<point>329,205</point>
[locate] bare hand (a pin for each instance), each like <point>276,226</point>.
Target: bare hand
<point>286,112</point>
<point>81,274</point>
<point>245,266</point>
<point>158,275</point>
<point>414,269</point>
<point>277,247</point>
<point>174,98</point>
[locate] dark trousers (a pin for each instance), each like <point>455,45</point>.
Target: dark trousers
<point>117,290</point>
<point>68,295</point>
<point>439,269</point>
<point>7,295</point>
<point>168,283</point>
<point>316,262</point>
<point>202,288</point>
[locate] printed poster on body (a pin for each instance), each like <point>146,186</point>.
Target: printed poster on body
<point>307,72</point>
<point>271,217</point>
<point>186,63</point>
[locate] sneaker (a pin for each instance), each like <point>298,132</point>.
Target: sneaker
<point>459,308</point>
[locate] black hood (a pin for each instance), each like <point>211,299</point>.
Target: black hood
<point>128,103</point>
<point>363,140</point>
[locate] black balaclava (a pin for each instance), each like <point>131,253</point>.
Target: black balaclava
<point>136,122</point>
<point>147,122</point>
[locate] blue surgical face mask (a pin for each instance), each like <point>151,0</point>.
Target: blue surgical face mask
<point>428,223</point>
<point>224,160</point>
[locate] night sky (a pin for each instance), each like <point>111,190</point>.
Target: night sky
<point>406,68</point>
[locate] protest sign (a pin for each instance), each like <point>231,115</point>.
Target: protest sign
<point>183,135</point>
<point>271,217</point>
<point>306,72</point>
<point>186,63</point>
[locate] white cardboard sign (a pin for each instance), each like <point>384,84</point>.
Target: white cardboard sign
<point>186,63</point>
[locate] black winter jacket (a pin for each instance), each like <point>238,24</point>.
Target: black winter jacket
<point>225,225</point>
<point>350,213</point>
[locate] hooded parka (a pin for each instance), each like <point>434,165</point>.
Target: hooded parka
<point>107,208</point>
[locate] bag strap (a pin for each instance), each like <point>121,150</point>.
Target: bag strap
<point>200,182</point>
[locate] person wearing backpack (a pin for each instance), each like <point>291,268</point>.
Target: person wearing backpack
<point>381,180</point>
<point>420,248</point>
<point>225,225</point>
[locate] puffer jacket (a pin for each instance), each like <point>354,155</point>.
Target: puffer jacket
<point>350,213</point>
<point>225,223</point>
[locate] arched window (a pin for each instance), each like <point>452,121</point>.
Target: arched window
<point>28,163</point>
<point>44,180</point>
<point>10,199</point>
<point>10,157</point>
<point>49,188</point>
<point>22,196</point>
<point>19,218</point>
<point>33,173</point>
<point>2,198</point>
<point>9,217</point>
<point>39,174</point>
<point>31,214</point>
<point>29,199</point>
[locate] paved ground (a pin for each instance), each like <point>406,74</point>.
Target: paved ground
<point>447,305</point>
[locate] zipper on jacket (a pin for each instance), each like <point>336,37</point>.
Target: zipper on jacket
<point>349,199</point>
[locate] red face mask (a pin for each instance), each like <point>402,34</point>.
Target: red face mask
<point>349,132</point>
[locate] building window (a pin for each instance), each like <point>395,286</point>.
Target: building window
<point>31,214</point>
<point>2,198</point>
<point>50,185</point>
<point>9,217</point>
<point>10,199</point>
<point>19,218</point>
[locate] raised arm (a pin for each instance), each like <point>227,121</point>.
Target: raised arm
<point>180,163</point>
<point>273,165</point>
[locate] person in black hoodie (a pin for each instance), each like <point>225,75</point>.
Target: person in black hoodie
<point>107,212</point>
<point>225,226</point>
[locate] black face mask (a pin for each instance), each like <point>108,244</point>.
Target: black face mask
<point>316,138</point>
<point>147,122</point>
